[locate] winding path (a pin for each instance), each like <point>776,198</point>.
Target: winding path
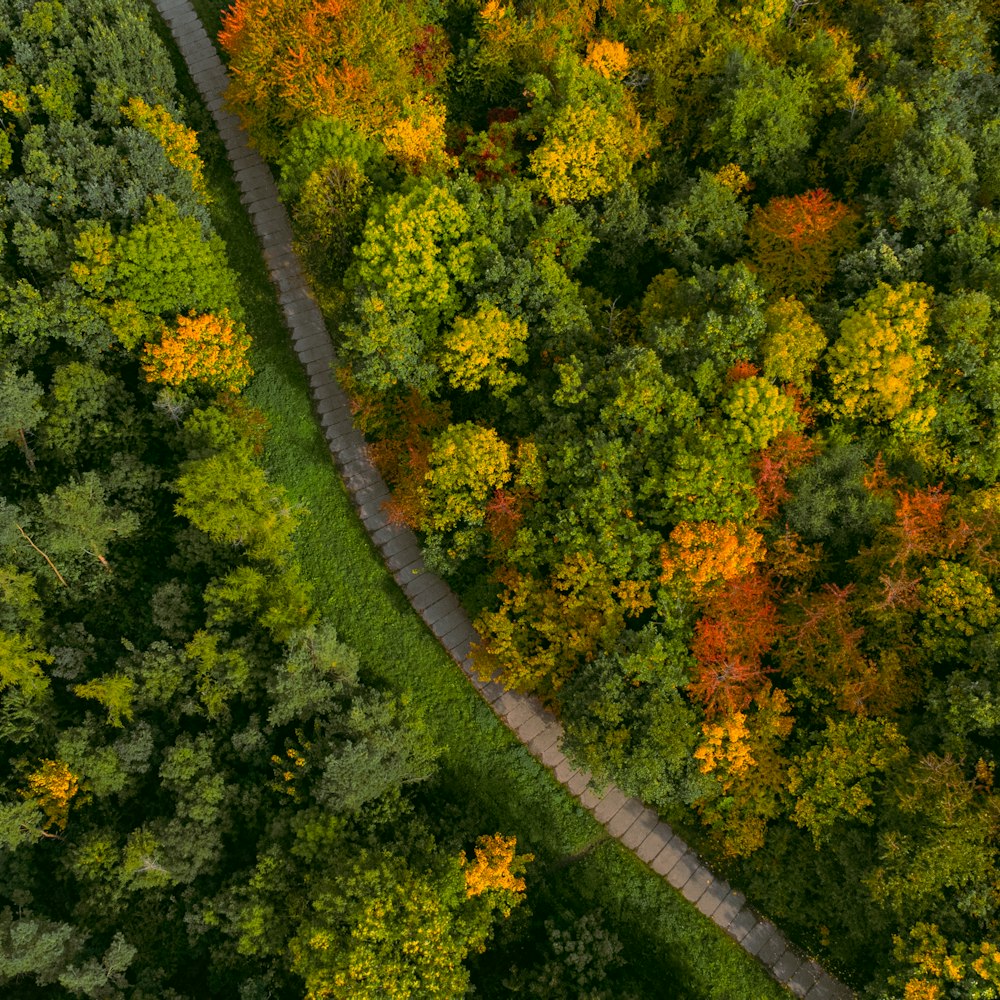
<point>627,819</point>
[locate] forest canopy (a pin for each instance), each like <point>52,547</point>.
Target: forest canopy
<point>672,328</point>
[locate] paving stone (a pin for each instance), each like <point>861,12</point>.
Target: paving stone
<point>565,771</point>
<point>372,509</point>
<point>552,757</point>
<point>459,642</point>
<point>333,416</point>
<point>406,574</point>
<point>624,818</point>
<point>441,607</point>
<point>309,342</point>
<point>384,534</point>
<point>672,852</point>
<point>729,908</point>
<point>531,728</point>
<point>507,703</point>
<point>614,798</point>
<point>404,560</point>
<point>308,324</point>
<point>375,520</point>
<point>292,302</point>
<point>491,691</point>
<point>759,935</point>
<point>655,841</point>
<point>774,948</point>
<point>698,884</point>
<point>449,623</point>
<point>399,546</point>
<point>742,924</point>
<point>686,866</point>
<point>827,988</point>
<point>713,897</point>
<point>548,737</point>
<point>639,830</point>
<point>377,492</point>
<point>578,785</point>
<point>319,365</point>
<point>521,711</point>
<point>804,980</point>
<point>320,352</point>
<point>787,965</point>
<point>419,585</point>
<point>359,480</point>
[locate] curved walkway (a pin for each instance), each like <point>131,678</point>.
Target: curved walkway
<point>627,819</point>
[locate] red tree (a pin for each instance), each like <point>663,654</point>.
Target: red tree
<point>740,625</point>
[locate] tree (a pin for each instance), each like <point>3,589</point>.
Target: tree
<point>227,496</point>
<point>386,929</point>
<point>586,150</point>
<point>879,364</point>
<point>417,252</point>
<point>958,604</point>
<point>345,59</point>
<point>792,344</point>
<point>52,787</point>
<point>545,627</point>
<point>477,350</point>
<point>739,627</point>
<point>210,349</point>
<point>167,265</point>
<point>765,118</point>
<point>20,410</point>
<point>702,555</point>
<point>78,518</point>
<point>180,144</point>
<point>797,241</point>
<point>466,464</point>
<point>757,412</point>
<point>837,779</point>
<point>495,868</point>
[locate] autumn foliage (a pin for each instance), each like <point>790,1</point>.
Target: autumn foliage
<point>495,866</point>
<point>797,240</point>
<point>739,626</point>
<point>52,786</point>
<point>180,143</point>
<point>205,348</point>
<point>705,553</point>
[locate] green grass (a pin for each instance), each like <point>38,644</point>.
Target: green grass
<point>487,781</point>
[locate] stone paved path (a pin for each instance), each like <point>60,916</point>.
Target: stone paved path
<point>629,820</point>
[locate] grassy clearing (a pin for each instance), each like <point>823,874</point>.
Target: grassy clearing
<point>487,780</point>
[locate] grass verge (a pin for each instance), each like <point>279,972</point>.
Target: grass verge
<point>487,781</point>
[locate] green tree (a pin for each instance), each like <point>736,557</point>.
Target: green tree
<point>228,497</point>
<point>838,778</point>
<point>78,518</point>
<point>20,410</point>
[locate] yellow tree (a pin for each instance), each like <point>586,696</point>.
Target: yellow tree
<point>495,868</point>
<point>416,138</point>
<point>209,348</point>
<point>587,150</point>
<point>477,348</point>
<point>703,554</point>
<point>466,464</point>
<point>52,787</point>
<point>179,143</point>
<point>792,344</point>
<point>879,365</point>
